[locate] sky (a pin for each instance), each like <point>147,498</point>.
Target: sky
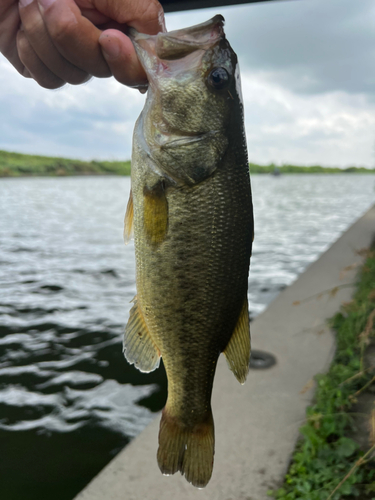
<point>308,83</point>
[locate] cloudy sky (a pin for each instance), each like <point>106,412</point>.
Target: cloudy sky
<point>308,81</point>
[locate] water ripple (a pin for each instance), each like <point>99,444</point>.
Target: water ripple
<point>66,282</point>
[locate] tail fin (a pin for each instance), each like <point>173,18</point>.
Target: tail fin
<point>187,449</point>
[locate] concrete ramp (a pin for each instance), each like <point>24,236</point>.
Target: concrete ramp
<point>256,424</point>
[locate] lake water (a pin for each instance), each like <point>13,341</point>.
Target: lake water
<point>68,400</point>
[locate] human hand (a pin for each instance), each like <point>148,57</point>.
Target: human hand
<point>68,41</point>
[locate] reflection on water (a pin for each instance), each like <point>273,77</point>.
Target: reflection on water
<point>68,399</point>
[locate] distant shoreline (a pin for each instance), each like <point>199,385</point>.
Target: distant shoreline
<point>22,165</point>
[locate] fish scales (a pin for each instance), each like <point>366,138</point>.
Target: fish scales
<point>194,282</point>
<point>193,226</point>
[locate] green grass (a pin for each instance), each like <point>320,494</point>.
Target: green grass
<point>325,455</point>
<point>316,169</point>
<point>17,164</point>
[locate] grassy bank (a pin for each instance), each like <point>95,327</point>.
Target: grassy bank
<point>17,164</point>
<point>316,169</point>
<point>335,457</point>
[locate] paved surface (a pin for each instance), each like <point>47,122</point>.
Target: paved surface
<point>256,424</point>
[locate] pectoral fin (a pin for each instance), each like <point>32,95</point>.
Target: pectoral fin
<point>128,221</point>
<point>237,351</point>
<point>139,348</point>
<point>155,213</point>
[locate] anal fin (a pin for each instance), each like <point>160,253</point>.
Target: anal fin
<point>238,349</point>
<point>139,347</point>
<point>128,221</point>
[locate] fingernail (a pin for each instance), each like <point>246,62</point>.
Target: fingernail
<point>25,3</point>
<point>45,3</point>
<point>143,88</point>
<point>162,22</point>
<point>110,47</point>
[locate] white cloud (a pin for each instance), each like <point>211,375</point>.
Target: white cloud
<point>334,128</point>
<point>94,120</point>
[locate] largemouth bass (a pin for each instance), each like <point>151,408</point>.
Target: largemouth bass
<point>191,210</point>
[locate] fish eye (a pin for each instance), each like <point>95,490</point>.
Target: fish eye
<point>218,78</point>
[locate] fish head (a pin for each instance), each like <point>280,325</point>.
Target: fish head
<point>194,89</point>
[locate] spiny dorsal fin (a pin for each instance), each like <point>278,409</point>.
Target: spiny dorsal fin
<point>128,221</point>
<point>155,213</point>
<point>139,348</point>
<point>237,351</point>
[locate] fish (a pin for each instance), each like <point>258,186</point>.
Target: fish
<point>190,210</point>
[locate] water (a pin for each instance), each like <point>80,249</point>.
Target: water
<point>68,399</point>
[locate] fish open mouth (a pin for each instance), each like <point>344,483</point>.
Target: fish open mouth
<point>174,45</point>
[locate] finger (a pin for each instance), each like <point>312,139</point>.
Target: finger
<point>9,25</point>
<point>74,36</point>
<point>94,16</point>
<point>35,66</point>
<point>146,16</point>
<point>122,60</point>
<point>41,42</point>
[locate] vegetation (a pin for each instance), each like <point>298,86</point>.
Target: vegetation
<point>328,464</point>
<point>316,169</point>
<point>17,164</point>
